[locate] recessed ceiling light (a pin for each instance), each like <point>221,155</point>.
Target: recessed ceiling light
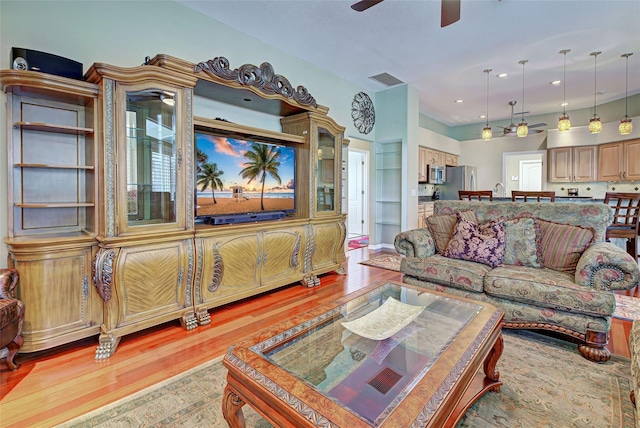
<point>564,104</point>
<point>555,82</point>
<point>458,101</point>
<point>501,75</point>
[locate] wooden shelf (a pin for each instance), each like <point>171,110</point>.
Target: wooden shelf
<point>54,205</point>
<point>48,127</point>
<point>51,166</point>
<point>243,131</point>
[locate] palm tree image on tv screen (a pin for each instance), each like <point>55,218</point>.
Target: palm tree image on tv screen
<point>237,176</point>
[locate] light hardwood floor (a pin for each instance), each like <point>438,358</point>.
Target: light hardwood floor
<point>54,386</point>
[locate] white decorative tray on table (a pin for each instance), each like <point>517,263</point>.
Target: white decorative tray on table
<point>391,317</point>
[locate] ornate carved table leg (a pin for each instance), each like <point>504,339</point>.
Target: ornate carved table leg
<point>232,408</point>
<point>490,362</point>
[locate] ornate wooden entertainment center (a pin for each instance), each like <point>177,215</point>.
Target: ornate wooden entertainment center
<point>102,197</point>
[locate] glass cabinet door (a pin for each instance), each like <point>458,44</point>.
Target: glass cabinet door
<point>151,157</point>
<point>325,176</point>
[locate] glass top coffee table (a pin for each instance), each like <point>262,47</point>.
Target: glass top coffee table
<point>389,355</point>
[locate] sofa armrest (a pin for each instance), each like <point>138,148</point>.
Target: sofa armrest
<point>415,243</point>
<point>605,266</point>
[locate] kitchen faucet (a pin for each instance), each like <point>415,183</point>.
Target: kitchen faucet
<point>495,189</point>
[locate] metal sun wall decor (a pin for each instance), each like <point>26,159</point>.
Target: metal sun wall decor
<point>363,113</point>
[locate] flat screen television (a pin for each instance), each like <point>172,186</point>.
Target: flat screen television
<point>243,180</point>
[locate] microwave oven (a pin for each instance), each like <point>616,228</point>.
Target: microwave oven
<point>435,174</point>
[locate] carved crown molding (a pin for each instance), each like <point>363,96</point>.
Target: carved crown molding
<point>262,78</point>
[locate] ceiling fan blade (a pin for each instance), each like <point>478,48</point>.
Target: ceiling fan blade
<point>363,5</point>
<point>449,12</point>
<point>536,125</point>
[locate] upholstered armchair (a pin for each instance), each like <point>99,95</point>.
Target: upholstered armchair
<point>11,317</point>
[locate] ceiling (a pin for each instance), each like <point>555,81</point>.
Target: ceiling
<point>404,38</point>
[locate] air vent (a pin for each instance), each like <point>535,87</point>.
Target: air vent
<point>386,79</point>
<point>384,380</point>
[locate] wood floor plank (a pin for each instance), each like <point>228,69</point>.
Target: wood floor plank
<point>56,385</point>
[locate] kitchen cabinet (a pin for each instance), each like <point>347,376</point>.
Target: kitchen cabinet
<point>425,209</point>
<point>572,164</point>
<point>451,160</point>
<point>427,156</point>
<point>619,161</point>
<point>422,163</point>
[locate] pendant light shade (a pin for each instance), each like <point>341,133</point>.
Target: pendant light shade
<point>486,131</point>
<point>626,127</point>
<point>595,126</point>
<point>564,124</point>
<point>523,129</point>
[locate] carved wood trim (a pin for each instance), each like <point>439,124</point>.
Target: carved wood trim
<point>262,78</point>
<point>103,273</point>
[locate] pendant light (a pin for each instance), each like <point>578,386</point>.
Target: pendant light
<point>523,129</point>
<point>564,124</point>
<point>594,123</point>
<point>626,127</point>
<point>486,131</point>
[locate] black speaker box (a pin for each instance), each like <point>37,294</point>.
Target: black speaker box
<point>28,59</point>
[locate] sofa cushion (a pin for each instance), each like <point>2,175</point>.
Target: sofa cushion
<point>547,288</point>
<point>441,270</point>
<point>522,242</point>
<point>563,244</point>
<point>441,227</point>
<point>470,243</point>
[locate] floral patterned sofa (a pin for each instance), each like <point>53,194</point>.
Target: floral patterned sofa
<point>545,264</point>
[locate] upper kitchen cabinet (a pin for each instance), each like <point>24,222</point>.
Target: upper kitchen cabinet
<point>572,164</point>
<point>619,161</point>
<point>427,156</point>
<point>148,154</point>
<point>422,163</point>
<point>450,160</point>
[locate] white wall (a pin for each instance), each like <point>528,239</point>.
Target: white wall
<point>487,155</point>
<point>428,138</point>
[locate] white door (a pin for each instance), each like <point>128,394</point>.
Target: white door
<point>530,175</point>
<point>357,213</point>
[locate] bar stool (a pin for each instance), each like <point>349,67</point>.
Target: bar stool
<point>468,195</point>
<point>517,195</point>
<point>626,218</point>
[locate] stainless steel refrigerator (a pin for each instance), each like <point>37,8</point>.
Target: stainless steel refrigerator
<point>462,177</point>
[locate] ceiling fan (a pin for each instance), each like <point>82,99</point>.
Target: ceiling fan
<point>449,10</point>
<point>511,130</point>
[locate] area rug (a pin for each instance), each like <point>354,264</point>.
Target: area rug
<point>547,383</point>
<point>385,261</point>
<point>627,307</point>
<point>359,242</point>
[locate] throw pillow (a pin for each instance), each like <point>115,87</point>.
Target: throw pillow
<point>522,245</point>
<point>563,244</point>
<point>468,243</point>
<point>441,227</point>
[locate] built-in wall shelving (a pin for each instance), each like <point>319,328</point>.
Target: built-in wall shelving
<point>388,203</point>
